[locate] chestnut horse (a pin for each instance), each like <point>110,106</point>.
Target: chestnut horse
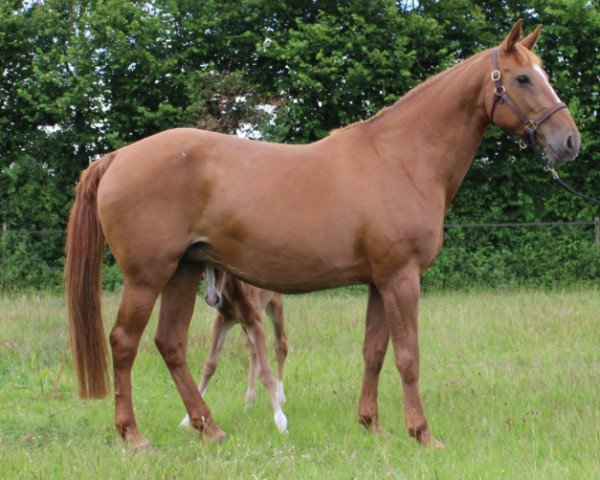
<point>364,205</point>
<point>240,302</point>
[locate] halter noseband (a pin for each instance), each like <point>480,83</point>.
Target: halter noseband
<point>500,96</point>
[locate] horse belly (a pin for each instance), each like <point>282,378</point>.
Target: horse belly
<point>282,255</point>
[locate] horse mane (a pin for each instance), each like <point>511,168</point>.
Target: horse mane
<point>524,57</point>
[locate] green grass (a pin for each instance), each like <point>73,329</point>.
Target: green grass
<point>509,382</point>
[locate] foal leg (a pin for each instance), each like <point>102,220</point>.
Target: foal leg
<point>376,343</point>
<point>401,301</point>
<point>275,312</point>
<point>251,390</point>
<point>176,308</point>
<point>220,330</point>
<point>134,313</point>
<point>256,335</point>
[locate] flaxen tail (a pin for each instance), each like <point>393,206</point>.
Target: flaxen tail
<point>83,264</point>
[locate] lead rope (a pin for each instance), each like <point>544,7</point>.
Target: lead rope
<point>555,176</point>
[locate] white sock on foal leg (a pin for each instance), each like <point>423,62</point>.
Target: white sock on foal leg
<point>280,392</point>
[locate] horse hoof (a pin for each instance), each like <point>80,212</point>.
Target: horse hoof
<point>214,433</point>
<point>135,441</point>
<point>371,424</point>
<point>428,440</point>
<point>146,446</point>
<point>219,437</point>
<point>433,443</point>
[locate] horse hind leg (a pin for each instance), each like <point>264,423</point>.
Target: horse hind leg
<point>220,329</point>
<point>256,334</point>
<point>274,311</point>
<point>134,313</point>
<point>177,305</point>
<point>374,350</point>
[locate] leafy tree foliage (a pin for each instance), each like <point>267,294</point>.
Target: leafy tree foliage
<point>83,77</point>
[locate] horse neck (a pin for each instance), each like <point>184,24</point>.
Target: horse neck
<point>433,133</point>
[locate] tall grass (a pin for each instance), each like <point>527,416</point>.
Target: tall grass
<point>509,382</point>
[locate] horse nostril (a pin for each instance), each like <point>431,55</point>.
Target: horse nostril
<point>569,143</point>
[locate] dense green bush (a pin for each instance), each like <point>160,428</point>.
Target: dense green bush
<point>503,257</point>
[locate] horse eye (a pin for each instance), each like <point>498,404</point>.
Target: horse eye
<point>523,80</point>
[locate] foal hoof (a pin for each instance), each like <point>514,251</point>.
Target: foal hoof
<point>281,421</point>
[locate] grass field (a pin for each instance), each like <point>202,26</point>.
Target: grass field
<point>509,382</point>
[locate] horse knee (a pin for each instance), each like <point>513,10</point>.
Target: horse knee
<point>282,350</point>
<point>374,360</point>
<point>209,367</point>
<point>173,352</point>
<point>407,364</point>
<point>122,346</point>
<point>266,377</point>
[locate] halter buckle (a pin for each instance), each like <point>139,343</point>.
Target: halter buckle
<point>531,125</point>
<point>500,90</point>
<point>496,75</point>
<point>552,171</point>
<point>522,144</point>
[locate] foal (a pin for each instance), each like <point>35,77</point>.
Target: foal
<point>239,302</point>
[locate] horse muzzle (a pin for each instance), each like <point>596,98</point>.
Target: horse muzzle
<point>562,146</point>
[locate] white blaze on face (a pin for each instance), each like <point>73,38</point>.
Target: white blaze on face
<point>541,76</point>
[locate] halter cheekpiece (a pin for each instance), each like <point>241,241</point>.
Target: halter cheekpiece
<point>500,96</point>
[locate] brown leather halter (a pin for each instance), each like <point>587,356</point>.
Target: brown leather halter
<point>500,96</point>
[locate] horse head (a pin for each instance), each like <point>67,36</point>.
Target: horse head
<point>522,101</point>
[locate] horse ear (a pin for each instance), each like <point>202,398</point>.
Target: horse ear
<point>530,40</point>
<point>513,37</point>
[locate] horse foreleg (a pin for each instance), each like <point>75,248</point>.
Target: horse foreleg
<point>275,312</point>
<point>375,347</point>
<point>134,313</point>
<point>220,330</point>
<point>176,308</point>
<point>401,301</point>
<point>256,334</point>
